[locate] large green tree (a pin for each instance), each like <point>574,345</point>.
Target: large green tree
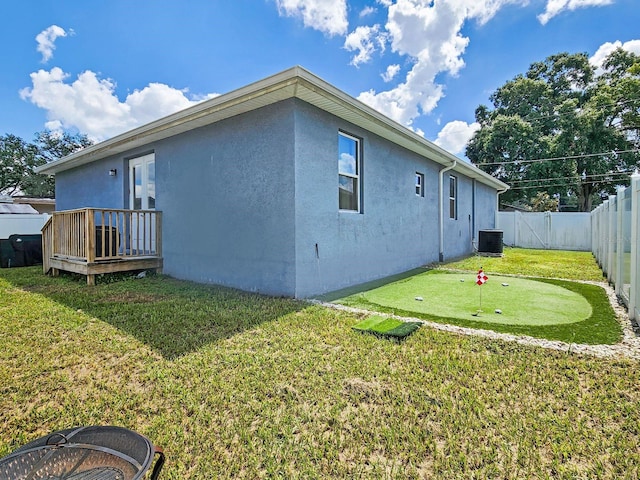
<point>18,160</point>
<point>560,127</point>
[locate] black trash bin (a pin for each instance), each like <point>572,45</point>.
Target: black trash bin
<point>27,248</point>
<point>8,255</point>
<point>110,241</point>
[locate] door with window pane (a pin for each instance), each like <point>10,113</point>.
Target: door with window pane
<point>142,196</point>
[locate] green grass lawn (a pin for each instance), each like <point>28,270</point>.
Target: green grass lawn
<point>536,263</point>
<point>235,385</point>
<point>542,307</point>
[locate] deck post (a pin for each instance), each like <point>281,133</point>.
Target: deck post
<point>158,233</point>
<point>158,238</point>
<point>90,235</point>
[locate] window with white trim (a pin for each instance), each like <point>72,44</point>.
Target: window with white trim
<point>349,173</point>
<point>419,184</point>
<point>453,195</point>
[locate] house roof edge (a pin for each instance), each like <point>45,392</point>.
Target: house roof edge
<point>288,83</point>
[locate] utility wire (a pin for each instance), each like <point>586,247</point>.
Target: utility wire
<point>598,175</point>
<point>568,157</point>
<point>532,118</point>
<point>548,185</point>
<point>557,114</point>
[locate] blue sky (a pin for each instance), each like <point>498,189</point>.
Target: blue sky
<point>102,67</point>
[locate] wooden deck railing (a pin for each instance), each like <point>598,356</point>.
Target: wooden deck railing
<point>47,244</point>
<point>93,235</point>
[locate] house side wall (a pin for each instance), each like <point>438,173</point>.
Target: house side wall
<point>397,230</point>
<point>486,208</point>
<point>227,193</point>
<point>92,186</point>
<point>252,202</point>
<point>477,205</point>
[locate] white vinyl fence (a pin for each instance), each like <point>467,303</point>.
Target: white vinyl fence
<point>546,230</point>
<point>615,239</point>
<point>21,224</point>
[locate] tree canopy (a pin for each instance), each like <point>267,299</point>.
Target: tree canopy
<point>19,159</point>
<point>563,128</point>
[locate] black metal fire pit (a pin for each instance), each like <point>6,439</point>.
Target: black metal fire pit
<point>84,453</point>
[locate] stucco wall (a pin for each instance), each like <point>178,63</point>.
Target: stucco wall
<point>227,193</point>
<point>477,206</point>
<point>91,186</point>
<point>252,202</point>
<point>486,208</point>
<point>397,230</point>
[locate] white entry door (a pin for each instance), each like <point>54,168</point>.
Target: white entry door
<point>142,196</point>
<point>142,182</point>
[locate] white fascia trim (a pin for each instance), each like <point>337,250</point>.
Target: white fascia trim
<point>295,82</point>
<point>130,139</point>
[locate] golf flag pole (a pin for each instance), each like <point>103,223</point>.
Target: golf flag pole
<point>481,278</point>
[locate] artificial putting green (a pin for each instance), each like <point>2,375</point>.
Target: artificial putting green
<point>455,295</point>
<point>545,308</point>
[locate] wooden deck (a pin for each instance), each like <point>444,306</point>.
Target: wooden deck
<point>92,241</point>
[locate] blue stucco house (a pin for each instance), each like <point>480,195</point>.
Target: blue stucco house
<point>287,186</point>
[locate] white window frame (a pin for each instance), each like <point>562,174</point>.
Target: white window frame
<point>419,184</point>
<point>453,197</point>
<point>357,176</point>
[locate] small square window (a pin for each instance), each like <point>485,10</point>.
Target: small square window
<point>419,184</point>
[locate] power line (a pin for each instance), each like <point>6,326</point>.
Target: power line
<point>598,175</point>
<point>548,185</point>
<point>532,118</point>
<point>568,157</point>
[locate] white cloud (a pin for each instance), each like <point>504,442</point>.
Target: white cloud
<point>607,48</point>
<point>367,11</point>
<point>327,16</point>
<point>455,135</point>
<point>46,41</point>
<point>90,104</point>
<point>429,32</point>
<point>366,41</point>
<point>347,163</point>
<point>556,7</point>
<point>391,72</point>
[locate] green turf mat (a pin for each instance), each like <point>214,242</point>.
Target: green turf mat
<point>387,327</point>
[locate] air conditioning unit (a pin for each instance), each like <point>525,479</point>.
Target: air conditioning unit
<point>490,242</point>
